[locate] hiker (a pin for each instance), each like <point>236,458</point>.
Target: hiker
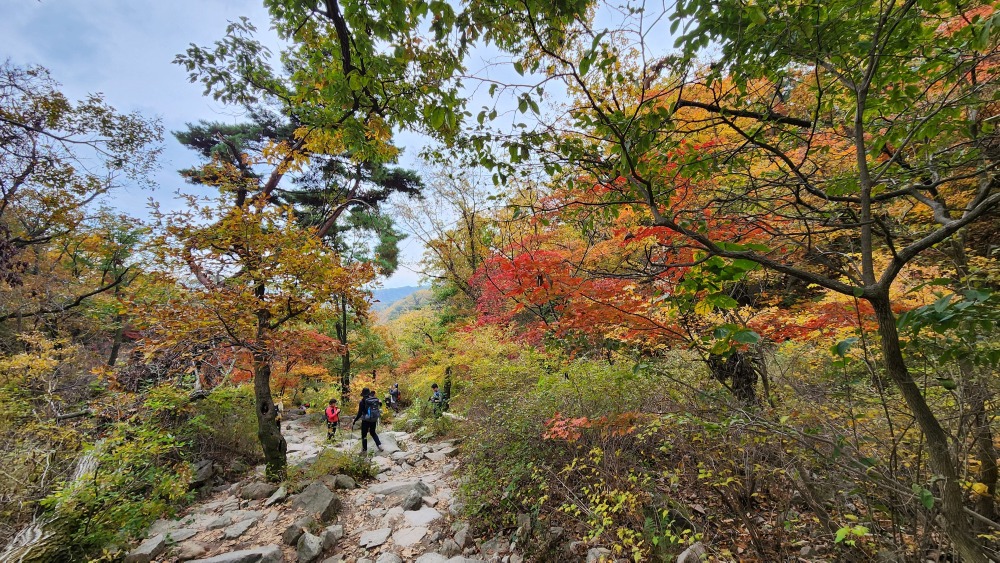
<point>332,419</point>
<point>369,411</point>
<point>437,401</point>
<point>394,397</point>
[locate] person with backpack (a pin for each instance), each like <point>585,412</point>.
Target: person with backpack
<point>437,401</point>
<point>332,419</point>
<point>394,397</point>
<point>369,411</point>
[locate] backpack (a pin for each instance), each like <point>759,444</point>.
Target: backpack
<point>332,414</point>
<point>373,410</point>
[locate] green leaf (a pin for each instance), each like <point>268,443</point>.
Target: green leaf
<point>746,337</point>
<point>841,348</point>
<point>756,15</point>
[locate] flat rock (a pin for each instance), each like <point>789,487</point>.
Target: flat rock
<point>405,537</point>
<point>147,550</point>
<point>448,452</point>
<point>266,554</point>
<point>389,558</point>
<point>177,536</point>
<point>422,517</point>
<point>435,456</point>
<point>389,445</point>
<point>400,488</point>
<point>392,516</point>
<point>238,529</point>
<point>375,538</point>
<point>432,558</point>
<point>220,522</point>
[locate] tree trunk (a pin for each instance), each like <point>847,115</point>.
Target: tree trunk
<point>116,343</point>
<point>271,441</point>
<point>982,435</point>
<point>955,522</point>
<point>345,360</point>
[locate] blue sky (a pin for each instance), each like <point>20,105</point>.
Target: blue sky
<point>124,49</point>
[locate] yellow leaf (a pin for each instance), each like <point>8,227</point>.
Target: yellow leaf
<point>981,489</point>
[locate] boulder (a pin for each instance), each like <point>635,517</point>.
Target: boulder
<point>495,546</point>
<point>317,499</point>
<point>344,482</point>
<point>295,530</point>
<point>450,548</point>
<point>266,554</point>
<point>462,537</point>
<point>277,496</point>
<point>389,558</point>
<point>148,550</point>
<point>599,555</point>
<point>374,538</point>
<point>413,500</point>
<point>432,558</point>
<point>694,554</point>
<point>190,550</point>
<point>257,491</point>
<point>202,474</point>
<point>330,536</point>
<point>308,548</point>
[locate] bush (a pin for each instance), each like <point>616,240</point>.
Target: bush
<point>421,420</point>
<point>223,427</point>
<point>131,477</point>
<point>334,462</point>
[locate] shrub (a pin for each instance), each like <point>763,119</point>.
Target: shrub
<point>334,462</point>
<point>223,427</point>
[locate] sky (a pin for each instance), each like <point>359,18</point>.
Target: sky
<point>124,49</point>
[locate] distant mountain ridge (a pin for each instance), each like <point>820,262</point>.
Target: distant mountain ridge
<point>387,296</point>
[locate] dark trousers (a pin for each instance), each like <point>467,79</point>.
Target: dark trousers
<point>368,428</point>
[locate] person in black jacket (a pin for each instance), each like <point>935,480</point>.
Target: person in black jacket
<point>367,426</point>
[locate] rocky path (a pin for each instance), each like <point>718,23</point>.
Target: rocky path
<point>409,513</point>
